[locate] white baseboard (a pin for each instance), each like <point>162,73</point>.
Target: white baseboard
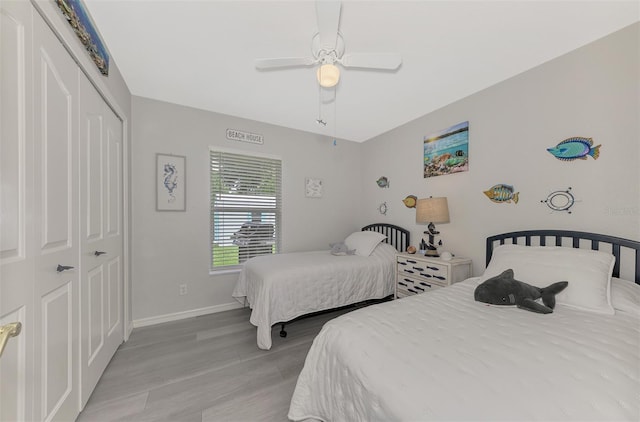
<point>185,314</point>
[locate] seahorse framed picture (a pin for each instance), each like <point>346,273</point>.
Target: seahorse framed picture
<point>171,182</point>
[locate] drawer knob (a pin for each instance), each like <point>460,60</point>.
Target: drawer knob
<point>433,268</point>
<point>408,280</point>
<point>412,261</point>
<point>439,277</point>
<point>426,275</point>
<point>420,288</point>
<point>418,268</point>
<point>425,284</point>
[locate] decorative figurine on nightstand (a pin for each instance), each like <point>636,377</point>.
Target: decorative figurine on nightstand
<point>431,249</point>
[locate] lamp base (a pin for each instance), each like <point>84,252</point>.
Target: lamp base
<point>432,253</point>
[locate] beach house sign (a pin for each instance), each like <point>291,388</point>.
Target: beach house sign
<point>238,135</point>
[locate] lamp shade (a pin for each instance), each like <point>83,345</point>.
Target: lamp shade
<point>328,75</point>
<point>432,210</point>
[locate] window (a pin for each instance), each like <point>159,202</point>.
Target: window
<point>245,207</point>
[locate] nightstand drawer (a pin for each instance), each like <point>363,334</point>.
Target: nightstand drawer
<point>409,289</point>
<point>425,270</point>
<point>418,284</point>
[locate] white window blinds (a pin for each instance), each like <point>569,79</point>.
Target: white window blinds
<point>245,207</point>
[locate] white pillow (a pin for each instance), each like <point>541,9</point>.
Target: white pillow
<point>364,242</point>
<point>625,296</point>
<point>588,272</point>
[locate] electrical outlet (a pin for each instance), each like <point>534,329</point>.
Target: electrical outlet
<point>183,289</point>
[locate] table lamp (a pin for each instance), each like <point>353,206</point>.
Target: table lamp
<point>430,211</point>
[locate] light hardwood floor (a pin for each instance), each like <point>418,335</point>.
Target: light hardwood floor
<point>207,368</point>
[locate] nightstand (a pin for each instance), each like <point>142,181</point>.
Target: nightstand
<point>417,274</point>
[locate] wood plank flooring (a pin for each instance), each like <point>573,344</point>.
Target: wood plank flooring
<point>206,368</point>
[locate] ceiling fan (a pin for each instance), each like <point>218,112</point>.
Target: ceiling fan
<point>327,48</point>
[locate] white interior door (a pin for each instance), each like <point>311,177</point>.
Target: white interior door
<point>56,226</point>
<point>17,270</point>
<point>101,236</point>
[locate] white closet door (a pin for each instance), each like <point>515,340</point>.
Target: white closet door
<point>101,236</point>
<point>56,226</point>
<point>17,269</point>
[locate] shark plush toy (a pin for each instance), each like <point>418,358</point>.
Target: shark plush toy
<point>503,289</point>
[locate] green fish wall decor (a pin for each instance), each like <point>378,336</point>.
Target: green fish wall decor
<point>502,193</point>
<point>383,182</point>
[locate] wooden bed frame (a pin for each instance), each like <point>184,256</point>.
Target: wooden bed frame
<point>616,245</point>
<point>397,237</point>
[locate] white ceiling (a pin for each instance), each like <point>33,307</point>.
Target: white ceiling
<point>201,53</point>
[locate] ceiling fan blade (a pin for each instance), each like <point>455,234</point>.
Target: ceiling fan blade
<point>386,61</point>
<point>284,62</point>
<point>328,15</point>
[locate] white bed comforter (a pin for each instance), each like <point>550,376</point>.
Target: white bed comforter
<point>441,356</point>
<point>282,287</point>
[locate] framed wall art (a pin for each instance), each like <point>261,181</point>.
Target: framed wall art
<point>76,14</point>
<point>447,151</point>
<point>313,187</point>
<point>171,182</point>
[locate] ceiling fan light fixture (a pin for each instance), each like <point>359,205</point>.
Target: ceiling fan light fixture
<point>328,75</point>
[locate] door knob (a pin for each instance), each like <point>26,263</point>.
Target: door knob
<point>98,253</point>
<point>6,331</point>
<point>62,268</point>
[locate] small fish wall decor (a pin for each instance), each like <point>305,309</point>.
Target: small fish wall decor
<point>560,200</point>
<point>576,148</point>
<point>502,194</point>
<point>410,201</point>
<point>383,182</point>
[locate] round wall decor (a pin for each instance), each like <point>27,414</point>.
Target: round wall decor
<point>560,200</point>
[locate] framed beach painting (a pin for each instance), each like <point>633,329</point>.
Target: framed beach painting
<point>447,151</point>
<point>171,182</point>
<point>78,17</point>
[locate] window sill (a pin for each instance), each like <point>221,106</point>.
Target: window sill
<point>225,271</point>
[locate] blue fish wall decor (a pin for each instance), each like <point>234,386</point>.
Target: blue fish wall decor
<point>576,148</point>
<point>502,193</point>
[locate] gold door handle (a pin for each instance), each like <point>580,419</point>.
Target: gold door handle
<point>6,331</point>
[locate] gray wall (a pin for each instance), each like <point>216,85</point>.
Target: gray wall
<point>593,92</point>
<point>172,248</point>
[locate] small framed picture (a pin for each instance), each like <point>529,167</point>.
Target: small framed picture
<point>171,182</point>
<point>312,187</point>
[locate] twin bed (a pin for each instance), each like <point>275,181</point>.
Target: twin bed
<point>282,287</point>
<point>443,356</point>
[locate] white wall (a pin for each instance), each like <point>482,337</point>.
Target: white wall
<point>172,248</point>
<point>593,91</point>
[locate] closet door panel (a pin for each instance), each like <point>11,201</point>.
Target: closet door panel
<point>93,193</point>
<point>101,236</point>
<point>56,205</point>
<point>16,201</point>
